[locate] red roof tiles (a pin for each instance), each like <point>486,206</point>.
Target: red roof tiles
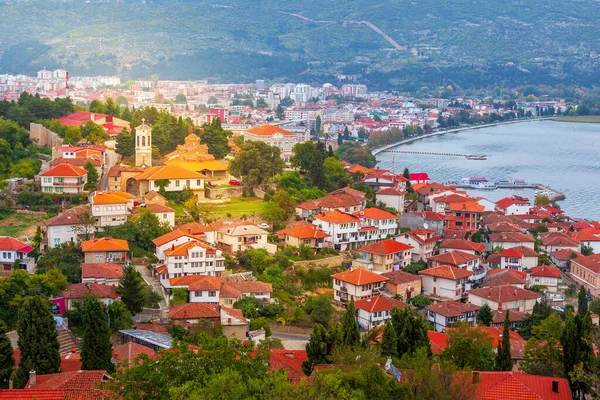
<point>502,294</point>
<point>65,170</point>
<point>359,276</point>
<point>447,272</point>
<point>101,270</point>
<point>516,385</point>
<point>387,246</point>
<point>545,271</point>
<point>378,303</point>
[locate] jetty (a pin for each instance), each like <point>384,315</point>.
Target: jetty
<point>553,194</point>
<point>432,153</point>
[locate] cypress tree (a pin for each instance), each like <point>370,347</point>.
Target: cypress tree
<point>316,349</point>
<point>340,139</point>
<point>389,341</point>
<point>570,343</point>
<point>485,315</point>
<point>7,362</point>
<point>96,350</point>
<point>503,357</point>
<point>582,304</point>
<point>38,340</point>
<point>350,332</point>
<point>131,290</point>
<point>411,332</point>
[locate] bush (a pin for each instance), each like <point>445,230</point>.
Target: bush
<point>258,323</point>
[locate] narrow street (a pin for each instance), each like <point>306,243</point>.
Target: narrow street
<point>111,160</point>
<point>153,283</point>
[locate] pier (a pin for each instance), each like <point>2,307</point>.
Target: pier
<point>553,194</point>
<point>431,153</point>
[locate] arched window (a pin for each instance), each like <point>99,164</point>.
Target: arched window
<point>138,141</point>
<point>143,141</point>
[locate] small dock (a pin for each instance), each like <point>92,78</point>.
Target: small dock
<point>431,153</point>
<point>553,194</point>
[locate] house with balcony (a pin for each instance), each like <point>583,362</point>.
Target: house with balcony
<point>418,220</point>
<point>376,224</point>
<point>380,179</point>
<point>169,240</point>
<point>588,239</point>
<point>357,283</point>
<point>586,272</point>
<point>518,258</point>
<point>440,203</point>
<point>384,256</point>
<point>443,314</point>
<point>13,251</point>
<point>460,259</point>
<point>515,205</point>
<point>445,281</point>
<point>505,297</point>
<point>506,240</point>
<point>342,227</point>
<point>105,249</point>
<point>402,284</point>
<point>423,242</point>
<point>195,257</point>
<point>545,275</point>
<point>553,241</point>
<point>465,215</point>
<point>345,199</point>
<point>111,208</point>
<point>241,236</point>
<point>304,234</point>
<point>64,179</point>
<point>71,225</point>
<point>374,311</point>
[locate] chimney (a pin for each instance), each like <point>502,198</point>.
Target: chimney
<point>555,386</point>
<point>32,378</point>
<point>475,377</point>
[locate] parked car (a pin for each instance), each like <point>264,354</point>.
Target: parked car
<point>558,308</point>
<point>211,184</point>
<point>234,182</point>
<point>264,226</point>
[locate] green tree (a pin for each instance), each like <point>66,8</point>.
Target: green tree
<point>93,133</point>
<point>346,135</point>
<point>415,267</point>
<point>279,209</point>
<point>125,144</point>
<point>249,305</point>
<point>317,349</point>
<point>485,316</point>
<point>257,163</point>
<point>340,139</point>
<point>582,302</point>
<point>336,174</point>
<point>587,250</point>
<point>7,362</point>
<point>411,331</point>
<point>355,153</point>
<point>180,296</point>
<point>541,311</point>
<point>96,350</point>
<point>570,342</point>
<point>389,340</point>
<point>180,98</point>
<point>543,352</point>
<point>92,175</point>
<point>318,125</point>
<point>350,333</point>
<point>215,137</point>
<point>131,289</point>
<point>50,282</point>
<point>119,316</point>
<point>320,310</point>
<point>38,340</point>
<point>503,357</point>
<point>469,348</point>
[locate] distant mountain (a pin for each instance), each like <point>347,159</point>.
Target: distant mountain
<point>395,44</point>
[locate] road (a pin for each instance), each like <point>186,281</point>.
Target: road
<point>292,341</point>
<point>111,160</point>
<point>153,283</point>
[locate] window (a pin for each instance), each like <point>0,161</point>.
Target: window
<point>3,254</point>
<point>164,216</point>
<point>212,294</point>
<point>56,229</point>
<point>198,293</point>
<point>177,183</point>
<point>59,190</point>
<point>99,256</point>
<point>198,183</point>
<point>228,302</point>
<point>56,241</point>
<point>47,189</point>
<point>97,209</point>
<point>187,183</point>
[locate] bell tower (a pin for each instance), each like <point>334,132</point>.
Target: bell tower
<point>143,145</point>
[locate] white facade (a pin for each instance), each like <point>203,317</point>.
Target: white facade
<point>522,305</point>
<point>391,200</point>
<point>368,320</point>
<point>344,291</point>
<point>143,146</point>
<point>63,184</point>
<point>549,282</point>
<point>177,185</point>
<point>60,234</point>
<point>160,250</point>
<point>111,214</point>
<point>518,263</point>
<point>244,237</point>
<point>442,287</point>
<point>195,261</point>
<point>204,296</point>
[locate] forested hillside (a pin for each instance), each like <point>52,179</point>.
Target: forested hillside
<point>387,44</point>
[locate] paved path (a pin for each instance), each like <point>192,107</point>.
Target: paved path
<point>153,283</point>
<point>111,160</point>
<point>292,341</point>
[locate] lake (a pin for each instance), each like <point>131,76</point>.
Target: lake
<point>562,155</point>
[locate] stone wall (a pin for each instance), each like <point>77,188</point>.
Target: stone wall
<point>334,261</point>
<point>43,136</point>
<point>222,193</point>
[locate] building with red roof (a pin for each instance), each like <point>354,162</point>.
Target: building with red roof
<point>12,250</point>
<point>126,354</point>
<point>423,242</point>
<point>438,341</point>
<point>591,240</point>
<point>418,220</point>
<point>464,215</point>
<point>105,249</point>
<point>102,273</point>
<point>545,275</point>
<point>384,256</point>
<point>76,293</point>
<point>69,226</point>
<point>345,199</point>
<point>357,283</point>
<point>507,240</point>
<point>513,205</point>
<point>562,258</point>
<point>419,177</point>
<point>403,284</point>
<point>195,257</point>
<point>586,272</point>
<point>113,126</point>
<point>392,198</point>
<point>443,314</point>
<point>518,258</point>
<point>506,297</point>
<point>374,311</point>
<point>514,318</point>
<point>552,241</point>
<point>304,233</point>
<point>174,238</point>
<point>445,281</point>
<point>55,394</point>
<point>465,246</point>
<point>290,361</point>
<point>459,259</point>
<point>75,380</point>
<point>380,179</point>
<point>63,179</point>
<point>275,136</point>
<point>501,277</point>
<point>517,385</point>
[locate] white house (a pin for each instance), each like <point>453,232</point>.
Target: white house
<point>553,241</point>
<point>68,226</point>
<point>422,240</point>
<point>242,236</point>
<point>515,205</point>
<point>445,281</point>
<point>506,297</point>
<point>357,283</point>
<point>507,240</point>
<point>64,178</point>
<point>375,311</point>
<point>466,246</point>
<point>102,273</point>
<point>193,258</point>
<point>518,258</point>
<point>13,250</point>
<point>171,240</point>
<point>445,313</point>
<point>341,227</point>
<point>381,179</point>
<point>392,198</point>
<point>111,208</point>
<point>163,213</point>
<point>588,239</point>
<point>545,275</point>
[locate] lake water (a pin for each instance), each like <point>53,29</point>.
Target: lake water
<point>562,155</point>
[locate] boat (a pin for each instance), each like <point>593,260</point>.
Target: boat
<point>478,183</point>
<point>476,157</point>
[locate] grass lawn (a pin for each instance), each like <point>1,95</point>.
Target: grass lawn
<point>580,118</point>
<point>238,206</point>
<point>20,226</point>
<point>178,209</point>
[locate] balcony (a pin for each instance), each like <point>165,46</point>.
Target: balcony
<point>69,184</point>
<point>344,289</point>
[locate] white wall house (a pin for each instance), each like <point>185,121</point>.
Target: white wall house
<point>515,205</point>
<point>375,311</point>
<point>506,297</point>
<point>392,198</point>
<point>171,240</point>
<point>341,227</point>
<point>193,258</point>
<point>445,282</point>
<point>545,275</point>
<point>12,250</point>
<point>357,283</point>
<point>518,258</point>
<point>64,178</point>
<point>445,313</point>
<point>111,208</point>
<point>68,226</point>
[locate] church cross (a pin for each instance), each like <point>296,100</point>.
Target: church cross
<point>143,120</point>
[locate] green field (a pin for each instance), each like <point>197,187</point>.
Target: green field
<point>590,119</point>
<point>20,226</point>
<point>238,206</point>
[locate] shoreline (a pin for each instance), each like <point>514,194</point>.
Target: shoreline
<point>453,130</point>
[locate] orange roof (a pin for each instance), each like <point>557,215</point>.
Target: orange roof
<point>467,206</point>
<point>268,130</point>
<point>194,311</point>
<point>182,249</point>
<point>169,172</point>
<point>174,235</point>
<point>82,380</point>
<point>105,244</point>
<point>359,276</point>
<point>290,361</point>
<point>359,169</point>
<point>305,231</point>
<point>438,341</point>
<point>375,213</point>
<point>545,271</point>
<point>111,197</point>
<point>447,272</point>
<point>185,280</point>
<point>207,283</point>
<point>387,246</point>
<point>128,352</point>
<point>66,170</point>
<point>337,217</point>
<point>378,303</point>
<point>516,385</point>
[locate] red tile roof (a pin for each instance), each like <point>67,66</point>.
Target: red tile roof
<point>174,235</point>
<point>558,239</point>
<point>359,276</point>
<point>565,254</point>
<point>289,360</point>
<point>8,243</point>
<point>387,246</point>
<point>452,308</point>
<point>78,162</point>
<point>55,394</point>
<point>375,213</point>
<point>65,170</point>
<point>304,231</point>
<point>105,244</point>
<point>194,311</point>
<point>79,380</point>
<point>378,303</point>
<point>438,341</point>
<point>71,216</point>
<point>128,352</point>
<point>397,277</point>
<point>420,236</point>
<point>447,272</point>
<point>545,271</point>
<point>268,130</point>
<point>212,283</point>
<point>194,228</point>
<point>512,252</point>
<point>591,262</point>
<point>467,206</point>
<point>184,248</point>
<point>337,217</point>
<point>79,290</point>
<point>101,270</point>
<point>454,257</point>
<point>502,294</point>
<point>501,277</point>
<point>513,316</point>
<point>251,287</point>
<point>516,385</point>
<point>461,244</point>
<point>526,251</point>
<point>390,192</point>
<point>509,201</point>
<point>511,237</point>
